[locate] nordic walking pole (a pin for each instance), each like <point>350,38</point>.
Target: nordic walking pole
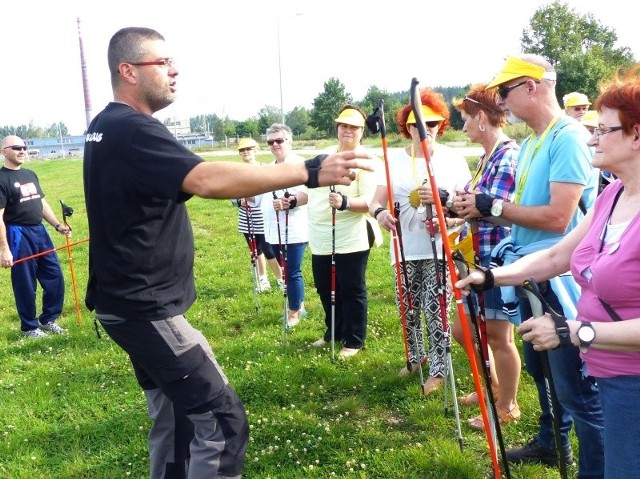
<point>440,282</point>
<point>49,251</point>
<point>463,270</point>
<point>284,277</point>
<point>253,248</point>
<point>536,300</point>
<point>417,111</point>
<point>66,212</point>
<point>375,123</point>
<point>333,278</point>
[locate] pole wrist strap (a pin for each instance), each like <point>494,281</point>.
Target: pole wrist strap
<point>313,169</point>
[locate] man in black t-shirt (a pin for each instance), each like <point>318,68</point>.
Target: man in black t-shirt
<point>22,234</point>
<point>137,178</point>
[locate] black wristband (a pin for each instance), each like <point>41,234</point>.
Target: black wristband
<point>377,212</point>
<point>345,202</point>
<point>57,227</point>
<point>443,195</point>
<point>484,203</point>
<point>293,202</point>
<point>313,169</point>
<point>563,332</point>
<point>487,284</point>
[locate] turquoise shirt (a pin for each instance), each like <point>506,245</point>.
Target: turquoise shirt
<point>563,157</point>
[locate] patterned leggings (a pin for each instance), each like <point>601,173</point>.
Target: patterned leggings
<point>424,298</point>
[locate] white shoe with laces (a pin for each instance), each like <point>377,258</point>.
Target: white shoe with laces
<point>34,333</point>
<point>52,327</point>
<point>265,285</point>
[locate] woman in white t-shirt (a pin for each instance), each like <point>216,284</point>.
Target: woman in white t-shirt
<point>413,197</point>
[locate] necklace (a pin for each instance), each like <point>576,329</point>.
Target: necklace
<point>482,165</point>
<point>414,196</point>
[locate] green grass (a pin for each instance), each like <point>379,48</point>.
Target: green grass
<point>71,407</point>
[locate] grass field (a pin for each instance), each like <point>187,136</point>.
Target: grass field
<point>70,406</point>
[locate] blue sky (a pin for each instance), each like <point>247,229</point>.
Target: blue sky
<point>227,52</point>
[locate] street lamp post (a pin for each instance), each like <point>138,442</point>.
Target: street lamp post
<point>280,69</point>
<point>280,76</point>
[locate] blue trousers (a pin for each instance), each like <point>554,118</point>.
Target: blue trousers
<point>578,396</point>
<point>26,241</point>
<point>622,431</point>
<point>295,281</point>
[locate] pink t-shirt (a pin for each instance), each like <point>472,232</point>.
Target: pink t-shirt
<point>614,276</point>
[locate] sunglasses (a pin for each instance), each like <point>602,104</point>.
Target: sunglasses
<point>16,147</point>
<point>279,141</point>
<point>432,124</point>
<point>503,91</point>
<point>242,150</point>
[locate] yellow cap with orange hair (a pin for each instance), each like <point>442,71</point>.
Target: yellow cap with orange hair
<point>427,115</point>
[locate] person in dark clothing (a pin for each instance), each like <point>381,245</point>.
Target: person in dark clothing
<point>137,179</point>
<point>22,234</point>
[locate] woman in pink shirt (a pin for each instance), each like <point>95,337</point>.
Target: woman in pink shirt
<point>603,255</point>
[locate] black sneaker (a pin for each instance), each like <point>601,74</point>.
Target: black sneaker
<point>533,451</point>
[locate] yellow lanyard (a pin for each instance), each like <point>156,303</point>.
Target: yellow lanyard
<point>415,167</point>
<point>482,167</point>
<point>523,178</point>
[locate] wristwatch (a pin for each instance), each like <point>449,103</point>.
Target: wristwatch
<point>586,335</point>
<point>496,208</point>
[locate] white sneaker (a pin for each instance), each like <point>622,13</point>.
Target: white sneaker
<point>280,284</point>
<point>265,285</point>
<point>52,327</point>
<point>34,333</point>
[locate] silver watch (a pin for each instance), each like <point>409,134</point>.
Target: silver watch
<point>496,208</point>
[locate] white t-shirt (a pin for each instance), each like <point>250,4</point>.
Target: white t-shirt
<point>451,172</point>
<point>295,228</point>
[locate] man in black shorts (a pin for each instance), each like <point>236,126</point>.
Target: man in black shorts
<point>137,178</point>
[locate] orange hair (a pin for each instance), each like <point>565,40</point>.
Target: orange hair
<point>433,100</point>
<point>479,98</point>
<point>622,93</point>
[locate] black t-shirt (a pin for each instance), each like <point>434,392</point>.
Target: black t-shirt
<point>20,196</point>
<point>141,250</point>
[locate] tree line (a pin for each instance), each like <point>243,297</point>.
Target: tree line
<point>582,50</point>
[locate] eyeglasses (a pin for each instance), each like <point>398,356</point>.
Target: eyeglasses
<point>16,148</point>
<point>503,91</point>
<point>607,129</point>
<point>163,62</point>
<point>466,98</point>
<point>279,141</point>
<point>242,150</point>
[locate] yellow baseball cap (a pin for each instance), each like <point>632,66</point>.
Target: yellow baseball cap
<point>590,118</point>
<point>427,115</point>
<point>575,99</point>
<point>247,143</point>
<point>350,116</point>
<point>515,67</point>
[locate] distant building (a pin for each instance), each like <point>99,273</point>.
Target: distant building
<point>73,146</point>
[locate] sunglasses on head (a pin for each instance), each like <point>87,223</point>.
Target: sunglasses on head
<point>17,147</point>
<point>279,141</point>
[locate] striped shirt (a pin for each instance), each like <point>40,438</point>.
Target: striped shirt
<point>257,221</point>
